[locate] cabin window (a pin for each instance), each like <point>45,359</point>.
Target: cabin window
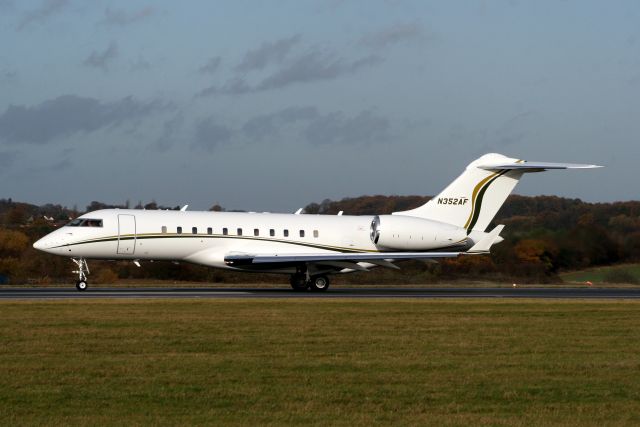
<point>194,230</point>
<point>179,230</point>
<point>164,229</point>
<point>209,230</point>
<point>286,233</point>
<point>239,231</point>
<point>225,231</point>
<point>315,233</point>
<point>256,232</point>
<point>301,233</point>
<point>272,232</point>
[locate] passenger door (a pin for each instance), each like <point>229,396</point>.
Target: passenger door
<point>126,234</point>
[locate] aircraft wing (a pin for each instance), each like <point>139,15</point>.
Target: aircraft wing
<point>482,247</point>
<point>243,258</point>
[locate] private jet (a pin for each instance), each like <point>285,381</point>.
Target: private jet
<point>307,248</point>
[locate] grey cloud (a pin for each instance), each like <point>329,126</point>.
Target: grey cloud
<point>102,59</point>
<point>46,9</point>
<point>267,126</point>
<point>7,5</point>
<point>235,86</point>
<point>211,66</point>
<point>8,75</point>
<point>170,129</point>
<point>140,64</point>
<point>122,18</point>
<point>69,114</point>
<point>310,67</point>
<point>335,128</point>
<point>7,159</point>
<point>313,66</point>
<point>268,53</point>
<point>397,34</point>
<point>209,134</point>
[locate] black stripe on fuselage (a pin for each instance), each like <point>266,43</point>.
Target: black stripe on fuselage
<point>214,236</point>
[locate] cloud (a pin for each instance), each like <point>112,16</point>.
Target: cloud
<point>234,86</point>
<point>7,5</point>
<point>210,134</point>
<point>102,59</point>
<point>8,75</point>
<point>140,64</point>
<point>67,115</point>
<point>320,129</point>
<point>170,129</point>
<point>316,65</point>
<point>211,65</point>
<point>268,53</point>
<point>46,9</point>
<point>336,128</point>
<point>121,18</point>
<point>7,159</point>
<point>267,126</point>
<point>393,35</point>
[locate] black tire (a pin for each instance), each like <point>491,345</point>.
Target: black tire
<point>298,282</point>
<point>81,285</point>
<point>319,283</point>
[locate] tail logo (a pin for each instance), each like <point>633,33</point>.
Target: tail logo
<point>476,198</point>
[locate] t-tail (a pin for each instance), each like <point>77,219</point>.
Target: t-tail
<point>474,198</point>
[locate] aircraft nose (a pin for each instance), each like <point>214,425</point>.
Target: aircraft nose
<point>40,244</point>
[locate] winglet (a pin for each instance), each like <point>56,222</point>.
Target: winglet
<point>484,245</point>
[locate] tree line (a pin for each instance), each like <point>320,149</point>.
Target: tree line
<point>544,235</point>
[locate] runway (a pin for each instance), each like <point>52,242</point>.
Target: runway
<point>14,293</point>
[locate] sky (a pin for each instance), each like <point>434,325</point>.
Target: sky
<point>272,105</point>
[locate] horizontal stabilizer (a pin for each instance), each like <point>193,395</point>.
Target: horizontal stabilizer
<point>535,166</point>
<point>484,245</point>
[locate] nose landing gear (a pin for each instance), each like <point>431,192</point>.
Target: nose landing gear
<point>82,271</point>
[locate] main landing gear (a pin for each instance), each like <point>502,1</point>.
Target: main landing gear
<point>83,271</point>
<point>300,282</point>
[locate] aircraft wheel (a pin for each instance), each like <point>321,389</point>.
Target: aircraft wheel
<point>81,285</point>
<point>298,282</point>
<point>319,283</point>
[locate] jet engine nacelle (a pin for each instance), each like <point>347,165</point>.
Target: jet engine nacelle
<point>406,233</point>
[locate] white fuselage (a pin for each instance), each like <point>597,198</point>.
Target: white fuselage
<point>207,237</point>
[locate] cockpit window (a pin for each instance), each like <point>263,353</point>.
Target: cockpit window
<point>85,222</point>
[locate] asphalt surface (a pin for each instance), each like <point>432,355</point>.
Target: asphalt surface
<point>7,293</point>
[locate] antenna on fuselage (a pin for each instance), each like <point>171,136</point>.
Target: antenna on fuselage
<point>184,208</point>
<point>298,212</point>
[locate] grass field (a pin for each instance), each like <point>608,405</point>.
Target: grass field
<point>338,362</point>
<point>624,273</point>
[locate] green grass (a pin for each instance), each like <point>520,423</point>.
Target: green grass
<point>338,362</point>
<point>625,273</point>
